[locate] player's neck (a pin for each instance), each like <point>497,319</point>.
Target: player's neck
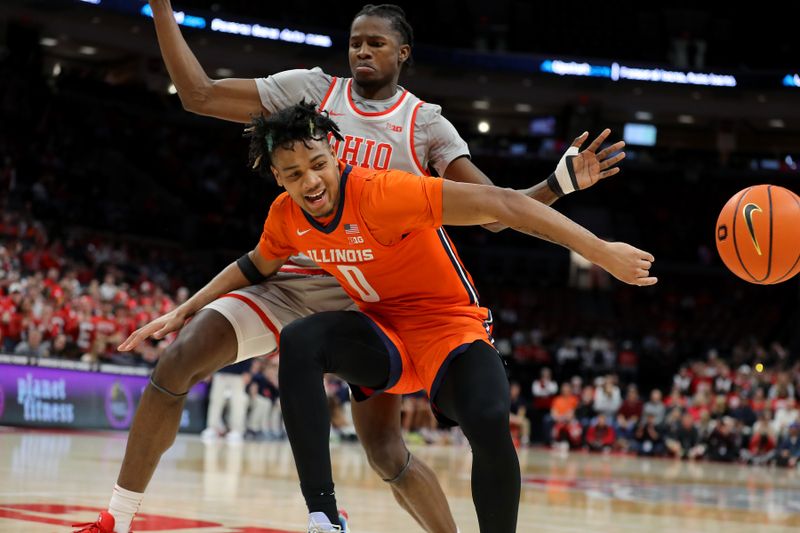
<point>375,93</point>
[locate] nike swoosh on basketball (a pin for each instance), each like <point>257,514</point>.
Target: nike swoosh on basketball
<point>747,213</point>
<point>301,233</point>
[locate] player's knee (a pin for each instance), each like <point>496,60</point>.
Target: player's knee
<point>386,455</point>
<point>175,371</point>
<point>483,421</point>
<point>205,345</point>
<point>301,340</point>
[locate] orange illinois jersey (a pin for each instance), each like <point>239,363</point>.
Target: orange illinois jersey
<point>385,245</point>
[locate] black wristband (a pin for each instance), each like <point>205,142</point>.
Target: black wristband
<point>552,182</point>
<point>249,269</point>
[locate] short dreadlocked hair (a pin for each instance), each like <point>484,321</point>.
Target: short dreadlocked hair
<point>396,16</point>
<point>301,122</point>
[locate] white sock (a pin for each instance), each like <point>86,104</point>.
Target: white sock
<point>123,506</point>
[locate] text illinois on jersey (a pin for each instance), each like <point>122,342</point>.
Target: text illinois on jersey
<point>333,255</point>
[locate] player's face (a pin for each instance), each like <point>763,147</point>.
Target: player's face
<point>376,54</point>
<point>310,174</point>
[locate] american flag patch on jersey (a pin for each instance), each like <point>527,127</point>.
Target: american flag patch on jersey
<point>351,229</point>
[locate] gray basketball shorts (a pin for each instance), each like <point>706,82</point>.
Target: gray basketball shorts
<point>258,313</point>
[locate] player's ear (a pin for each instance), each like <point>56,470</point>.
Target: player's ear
<point>404,53</point>
<point>278,179</point>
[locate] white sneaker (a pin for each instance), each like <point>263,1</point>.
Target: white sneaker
<point>319,523</point>
<point>234,437</point>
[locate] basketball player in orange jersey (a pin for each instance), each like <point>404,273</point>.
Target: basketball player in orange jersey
<point>383,126</point>
<point>419,324</point>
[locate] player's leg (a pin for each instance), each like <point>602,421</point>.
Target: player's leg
<point>413,483</point>
<point>474,392</point>
<point>344,343</point>
<point>227,330</point>
<point>205,345</point>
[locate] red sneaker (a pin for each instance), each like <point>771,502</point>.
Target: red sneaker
<point>103,524</point>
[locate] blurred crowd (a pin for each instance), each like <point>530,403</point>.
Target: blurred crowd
<point>79,298</point>
<point>709,411</point>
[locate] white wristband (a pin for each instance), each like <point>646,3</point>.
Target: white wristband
<point>563,180</point>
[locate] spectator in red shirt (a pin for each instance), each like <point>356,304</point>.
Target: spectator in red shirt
<point>629,414</point>
<point>600,437</point>
<point>759,401</point>
<point>762,446</point>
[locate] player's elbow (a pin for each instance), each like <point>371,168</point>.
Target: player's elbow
<point>198,98</point>
<point>503,204</point>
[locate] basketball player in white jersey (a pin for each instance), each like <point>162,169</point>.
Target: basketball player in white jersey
<point>385,126</point>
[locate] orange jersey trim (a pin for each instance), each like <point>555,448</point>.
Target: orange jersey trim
<point>375,113</point>
<point>328,94</point>
<point>411,137</point>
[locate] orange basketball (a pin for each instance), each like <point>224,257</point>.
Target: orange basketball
<point>758,234</point>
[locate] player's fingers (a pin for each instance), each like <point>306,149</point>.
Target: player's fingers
<point>616,147</point>
<point>609,172</point>
<point>580,139</point>
<point>599,140</point>
<point>644,282</point>
<point>643,263</point>
<point>163,331</point>
<point>647,256</point>
<point>130,342</point>
<point>604,164</point>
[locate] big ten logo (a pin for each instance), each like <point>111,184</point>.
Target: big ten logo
<point>356,240</point>
<point>362,152</point>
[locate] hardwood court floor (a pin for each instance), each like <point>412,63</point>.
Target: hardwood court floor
<point>50,479</point>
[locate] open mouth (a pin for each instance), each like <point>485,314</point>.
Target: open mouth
<point>315,200</point>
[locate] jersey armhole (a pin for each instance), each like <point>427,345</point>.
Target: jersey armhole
<point>328,94</point>
<point>417,163</point>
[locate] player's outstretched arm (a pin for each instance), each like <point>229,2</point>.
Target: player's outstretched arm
<point>466,204</point>
<point>231,278</point>
<point>577,170</point>
<point>231,99</point>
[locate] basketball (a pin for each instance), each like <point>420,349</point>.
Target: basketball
<point>758,234</point>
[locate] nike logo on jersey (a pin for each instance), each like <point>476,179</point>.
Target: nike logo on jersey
<point>301,233</point>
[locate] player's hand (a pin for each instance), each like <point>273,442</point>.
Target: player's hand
<point>627,264</point>
<point>158,328</point>
<point>592,166</point>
